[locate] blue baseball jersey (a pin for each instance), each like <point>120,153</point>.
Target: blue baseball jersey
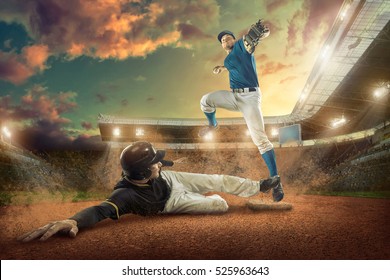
<point>241,66</point>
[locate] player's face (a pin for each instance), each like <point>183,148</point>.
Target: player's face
<point>227,42</point>
<point>155,168</point>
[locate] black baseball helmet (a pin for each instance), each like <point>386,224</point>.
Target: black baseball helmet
<point>223,33</point>
<point>136,160</point>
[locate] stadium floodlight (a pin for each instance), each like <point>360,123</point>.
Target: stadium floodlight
<point>139,132</point>
<point>342,16</point>
<point>6,132</point>
<point>304,93</point>
<point>325,51</point>
<point>209,136</point>
<point>344,13</point>
<point>303,97</point>
<point>275,132</point>
<point>338,122</point>
<point>380,92</point>
<point>116,131</point>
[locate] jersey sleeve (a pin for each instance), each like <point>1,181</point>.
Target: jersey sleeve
<point>241,47</point>
<point>92,215</point>
<point>118,204</point>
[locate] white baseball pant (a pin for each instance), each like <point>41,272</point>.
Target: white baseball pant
<point>188,189</point>
<point>249,104</point>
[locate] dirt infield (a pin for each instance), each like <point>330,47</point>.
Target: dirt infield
<point>318,227</point>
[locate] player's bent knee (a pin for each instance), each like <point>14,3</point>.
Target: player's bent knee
<point>220,206</point>
<point>205,104</point>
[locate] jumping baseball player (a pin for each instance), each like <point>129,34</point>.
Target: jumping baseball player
<point>146,190</point>
<point>245,94</point>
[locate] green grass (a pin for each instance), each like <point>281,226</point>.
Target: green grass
<point>368,194</point>
<point>6,198</point>
<point>81,196</point>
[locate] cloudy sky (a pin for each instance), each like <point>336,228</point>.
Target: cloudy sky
<point>62,62</point>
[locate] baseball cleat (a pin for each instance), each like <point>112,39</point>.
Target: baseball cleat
<point>277,192</point>
<point>269,183</point>
<point>205,130</point>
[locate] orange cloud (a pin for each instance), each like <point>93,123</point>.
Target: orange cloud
<point>289,78</point>
<point>273,67</point>
<point>310,25</point>
<point>12,70</point>
<point>188,31</point>
<point>17,68</point>
<point>103,29</point>
<point>262,57</point>
<point>43,106</point>
<point>112,28</point>
<point>36,56</point>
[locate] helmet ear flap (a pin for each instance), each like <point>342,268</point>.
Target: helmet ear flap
<point>140,174</point>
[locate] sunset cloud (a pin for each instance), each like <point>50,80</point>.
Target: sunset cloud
<point>41,125</point>
<point>101,98</point>
<point>17,68</point>
<point>86,125</point>
<point>112,29</point>
<point>36,56</point>
<point>150,99</point>
<point>310,25</point>
<point>140,78</point>
<point>38,104</point>
<point>272,5</point>
<point>5,103</point>
<point>124,103</point>
<point>262,57</point>
<point>189,32</point>
<point>289,78</point>
<point>46,136</point>
<point>12,70</point>
<point>273,67</point>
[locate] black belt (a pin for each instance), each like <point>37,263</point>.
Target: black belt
<point>241,90</point>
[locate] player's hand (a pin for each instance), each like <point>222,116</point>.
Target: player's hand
<point>218,69</point>
<point>45,232</point>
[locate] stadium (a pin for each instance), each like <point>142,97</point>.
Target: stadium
<point>332,152</point>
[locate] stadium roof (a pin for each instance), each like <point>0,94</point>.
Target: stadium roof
<point>353,66</point>
<point>349,83</point>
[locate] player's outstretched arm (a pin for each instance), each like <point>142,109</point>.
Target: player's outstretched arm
<point>43,233</point>
<point>83,219</point>
<point>257,32</point>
